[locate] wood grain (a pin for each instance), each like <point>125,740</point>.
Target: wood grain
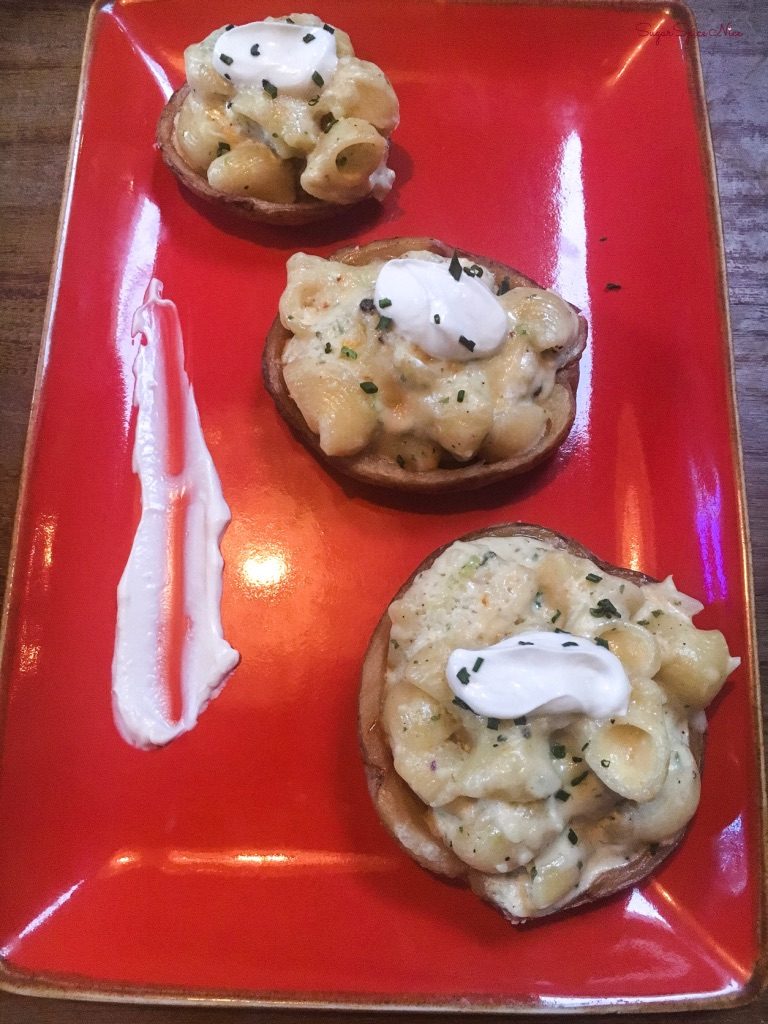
<point>40,50</point>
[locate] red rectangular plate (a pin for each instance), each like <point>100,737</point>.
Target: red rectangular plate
<point>244,861</point>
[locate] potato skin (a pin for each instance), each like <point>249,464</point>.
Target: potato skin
<point>381,472</point>
<point>307,211</point>
<point>403,813</point>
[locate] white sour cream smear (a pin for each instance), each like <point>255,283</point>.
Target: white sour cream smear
<point>540,673</point>
<point>447,317</point>
<point>169,638</point>
<point>296,60</point>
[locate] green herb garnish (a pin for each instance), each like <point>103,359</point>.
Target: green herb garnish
<point>562,795</point>
<point>605,609</point>
<point>593,577</point>
<point>348,353</point>
<point>226,59</point>
<point>478,663</point>
<point>385,322</point>
<point>577,781</point>
<point>255,50</point>
<point>307,38</point>
<point>463,676</point>
<point>327,121</point>
<point>368,387</point>
<point>555,617</point>
<point>605,763</point>
<point>383,303</point>
<point>454,268</point>
<point>602,642</point>
<point>570,643</point>
<point>269,89</point>
<point>460,396</point>
<point>473,271</point>
<point>460,704</point>
<point>467,343</point>
<point>492,723</point>
<point>436,318</point>
<point>327,348</point>
<point>318,79</point>
<point>557,751</point>
<point>572,837</point>
<point>504,286</point>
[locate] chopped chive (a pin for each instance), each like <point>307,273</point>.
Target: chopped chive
<point>504,286</point>
<point>255,50</point>
<point>223,147</point>
<point>537,599</point>
<point>226,59</point>
<point>228,28</point>
<point>327,121</point>
<point>383,303</point>
<point>522,720</point>
<point>454,268</point>
<point>585,746</point>
<point>478,663</point>
<point>307,38</point>
<point>348,353</point>
<point>643,622</point>
<point>385,322</point>
<point>492,723</point>
<point>368,387</point>
<point>657,612</point>
<point>327,348</point>
<point>605,609</point>
<point>400,461</point>
<point>557,751</point>
<point>602,642</point>
<point>318,79</point>
<point>463,676</point>
<point>460,396</point>
<point>611,287</point>
<point>577,781</point>
<point>558,630</point>
<point>570,643</point>
<point>605,763</point>
<point>466,343</point>
<point>501,739</point>
<point>313,101</point>
<point>473,271</point>
<point>576,759</point>
<point>555,617</point>
<point>367,305</point>
<point>593,577</point>
<point>460,704</point>
<point>562,795</point>
<point>525,643</point>
<point>290,21</point>
<point>269,89</point>
<point>572,837</point>
<point>329,28</point>
<point>436,318</point>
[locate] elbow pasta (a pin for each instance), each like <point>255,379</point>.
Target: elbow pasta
<point>546,804</point>
<point>249,141</point>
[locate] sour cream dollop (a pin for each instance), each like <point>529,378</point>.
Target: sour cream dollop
<point>448,318</point>
<point>296,60</point>
<point>540,673</point>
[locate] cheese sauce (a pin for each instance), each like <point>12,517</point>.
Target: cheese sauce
<point>170,654</point>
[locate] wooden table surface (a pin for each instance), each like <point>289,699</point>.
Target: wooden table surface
<point>40,49</point>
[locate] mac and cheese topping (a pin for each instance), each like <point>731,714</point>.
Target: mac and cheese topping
<point>283,107</point>
<point>543,803</point>
<point>384,361</point>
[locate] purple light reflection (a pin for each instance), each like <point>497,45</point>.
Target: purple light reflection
<point>709,510</point>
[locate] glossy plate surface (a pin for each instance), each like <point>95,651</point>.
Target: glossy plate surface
<point>244,860</point>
